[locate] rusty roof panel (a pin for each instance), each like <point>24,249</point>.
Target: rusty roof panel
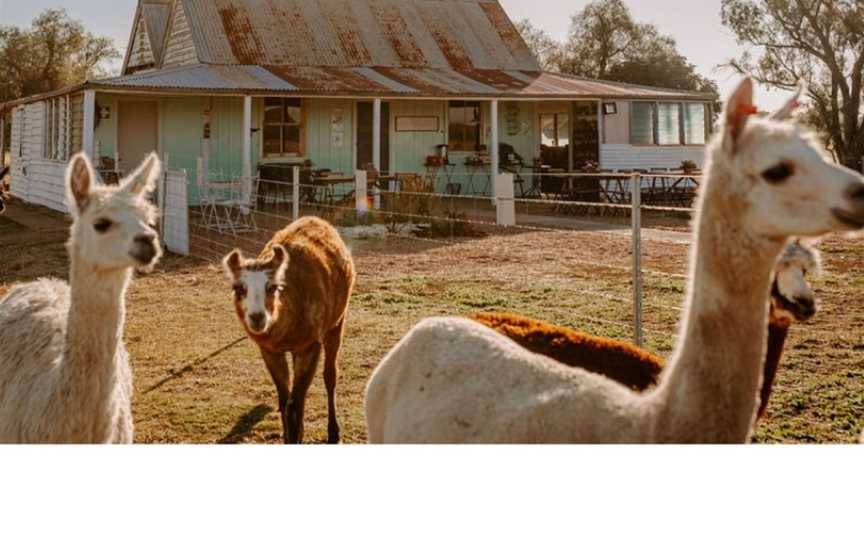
<point>509,35</point>
<point>354,33</point>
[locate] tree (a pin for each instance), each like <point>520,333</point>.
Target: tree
<point>544,46</point>
<point>54,52</point>
<point>605,42</point>
<point>817,42</point>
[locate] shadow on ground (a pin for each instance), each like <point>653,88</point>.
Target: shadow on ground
<point>246,424</point>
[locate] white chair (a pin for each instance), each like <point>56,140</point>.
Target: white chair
<point>213,198</point>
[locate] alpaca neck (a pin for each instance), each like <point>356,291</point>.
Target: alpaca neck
<point>777,334</point>
<point>711,387</point>
<point>94,332</point>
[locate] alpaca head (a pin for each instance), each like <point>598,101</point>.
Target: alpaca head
<point>113,226</point>
<point>776,176</point>
<point>257,285</point>
<point>792,297</point>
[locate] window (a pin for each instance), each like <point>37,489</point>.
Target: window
<point>642,124</point>
<point>695,124</point>
<point>22,129</point>
<point>667,123</point>
<point>55,129</point>
<point>283,118</point>
<point>465,126</point>
<point>555,130</point>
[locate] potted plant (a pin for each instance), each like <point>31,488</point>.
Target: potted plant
<point>689,166</point>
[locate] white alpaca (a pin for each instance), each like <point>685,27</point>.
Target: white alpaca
<point>64,372</point>
<point>456,381</point>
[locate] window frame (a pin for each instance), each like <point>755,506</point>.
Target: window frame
<point>56,127</point>
<point>464,104</point>
<point>300,125</point>
<point>682,132</point>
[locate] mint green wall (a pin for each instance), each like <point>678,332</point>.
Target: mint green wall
<point>410,149</point>
<point>181,136</point>
<point>526,140</point>
<point>319,134</point>
<point>226,136</point>
<point>107,129</point>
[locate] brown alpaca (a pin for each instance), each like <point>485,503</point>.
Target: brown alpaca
<point>294,298</point>
<point>792,300</point>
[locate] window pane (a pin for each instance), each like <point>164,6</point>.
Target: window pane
<point>272,140</point>
<point>547,131</point>
<point>273,111</point>
<point>563,130</point>
<point>292,111</point>
<point>668,124</point>
<point>464,127</point>
<point>292,140</point>
<point>642,124</point>
<point>694,124</point>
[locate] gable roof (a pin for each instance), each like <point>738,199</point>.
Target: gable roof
<point>461,34</point>
<point>148,32</point>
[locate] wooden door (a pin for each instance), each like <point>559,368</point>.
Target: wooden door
<point>138,132</point>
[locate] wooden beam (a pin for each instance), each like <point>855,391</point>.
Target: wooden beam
<point>89,135</point>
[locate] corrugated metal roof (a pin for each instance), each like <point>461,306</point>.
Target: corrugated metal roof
<point>380,81</point>
<point>462,34</point>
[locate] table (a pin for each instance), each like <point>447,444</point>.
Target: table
<point>327,182</point>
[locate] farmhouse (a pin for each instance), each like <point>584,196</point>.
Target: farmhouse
<point>241,86</point>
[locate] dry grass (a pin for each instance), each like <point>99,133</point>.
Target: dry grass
<point>199,381</point>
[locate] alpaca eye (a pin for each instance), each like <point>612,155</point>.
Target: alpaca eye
<point>239,290</point>
<point>103,225</point>
<point>779,173</point>
<point>272,289</point>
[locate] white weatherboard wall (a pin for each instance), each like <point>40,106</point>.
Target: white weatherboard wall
<point>617,157</point>
<point>35,179</point>
<point>173,203</point>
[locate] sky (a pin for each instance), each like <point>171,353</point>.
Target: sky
<point>695,24</point>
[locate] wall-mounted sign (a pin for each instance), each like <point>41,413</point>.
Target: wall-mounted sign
<point>610,108</point>
<point>417,124</point>
<point>337,128</point>
<point>512,119</point>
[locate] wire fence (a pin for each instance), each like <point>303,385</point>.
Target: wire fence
<point>564,257</point>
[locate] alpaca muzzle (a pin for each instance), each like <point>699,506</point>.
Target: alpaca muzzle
<point>145,251</point>
<point>854,216</point>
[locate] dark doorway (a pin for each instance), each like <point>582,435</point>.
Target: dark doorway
<point>364,135</point>
<point>586,135</point>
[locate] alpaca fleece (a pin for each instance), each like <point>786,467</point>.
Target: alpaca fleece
<point>33,317</point>
<point>64,371</point>
<point>436,385</point>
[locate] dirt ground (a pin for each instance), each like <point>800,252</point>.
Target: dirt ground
<point>198,380</point>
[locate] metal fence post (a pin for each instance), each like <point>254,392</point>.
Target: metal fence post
<point>296,195</point>
<point>636,197</point>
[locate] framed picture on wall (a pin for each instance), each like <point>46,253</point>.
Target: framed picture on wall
<point>417,124</point>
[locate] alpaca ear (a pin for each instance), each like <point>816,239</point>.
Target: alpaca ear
<point>739,109</point>
<point>233,264</point>
<point>280,259</point>
<point>143,180</point>
<point>79,182</point>
<point>786,112</point>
